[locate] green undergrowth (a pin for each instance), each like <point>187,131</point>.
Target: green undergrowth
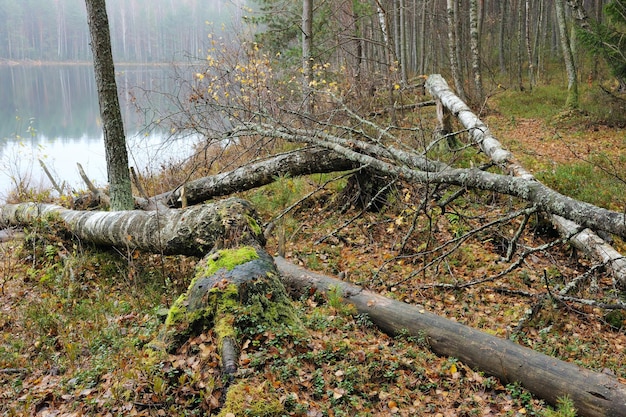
<point>599,181</point>
<point>547,102</point>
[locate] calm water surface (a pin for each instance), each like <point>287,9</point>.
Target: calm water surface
<point>51,113</point>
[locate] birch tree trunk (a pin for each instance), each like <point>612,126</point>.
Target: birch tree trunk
<point>501,48</point>
<point>193,231</point>
<point>307,41</point>
<point>476,51</point>
<point>452,49</point>
<point>570,66</point>
<point>422,40</point>
<point>416,168</point>
<point>404,61</point>
<point>301,162</point>
<point>529,53</point>
<point>520,42</point>
<point>112,125</point>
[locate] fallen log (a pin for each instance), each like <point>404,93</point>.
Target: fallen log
<point>299,162</point>
<point>532,191</point>
<point>193,231</point>
<point>594,394</point>
<point>586,239</point>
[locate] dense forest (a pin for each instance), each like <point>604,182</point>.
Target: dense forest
<point>142,31</point>
<point>469,41</point>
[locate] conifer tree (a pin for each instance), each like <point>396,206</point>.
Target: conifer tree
<point>606,39</point>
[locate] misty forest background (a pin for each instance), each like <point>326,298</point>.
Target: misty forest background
<point>369,39</point>
<point>141,31</point>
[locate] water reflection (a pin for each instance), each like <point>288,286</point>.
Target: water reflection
<point>51,113</point>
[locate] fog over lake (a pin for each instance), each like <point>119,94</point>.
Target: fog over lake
<point>50,112</point>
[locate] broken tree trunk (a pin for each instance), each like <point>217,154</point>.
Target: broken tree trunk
<point>593,394</point>
<point>232,287</point>
<point>586,240</point>
<point>237,284</point>
<point>299,162</point>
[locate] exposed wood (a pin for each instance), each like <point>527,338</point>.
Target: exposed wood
<point>50,177</point>
<point>588,241</point>
<point>593,394</point>
<point>97,193</point>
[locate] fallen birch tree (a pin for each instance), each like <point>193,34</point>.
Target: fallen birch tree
<point>583,238</point>
<point>235,272</point>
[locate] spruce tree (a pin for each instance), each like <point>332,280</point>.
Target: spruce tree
<point>609,39</point>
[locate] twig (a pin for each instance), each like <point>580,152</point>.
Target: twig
<point>455,245</point>
<point>529,314</point>
<point>513,243</point>
<point>593,303</point>
<point>50,177</point>
<point>573,284</point>
<point>13,370</point>
<point>137,183</point>
<point>96,192</point>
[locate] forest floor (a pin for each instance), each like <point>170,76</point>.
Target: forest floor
<point>75,320</point>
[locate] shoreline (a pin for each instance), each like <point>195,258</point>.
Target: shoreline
<point>4,62</point>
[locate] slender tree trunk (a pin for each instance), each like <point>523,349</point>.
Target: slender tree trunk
<point>568,56</point>
<point>112,124</point>
<point>529,52</point>
<point>403,42</point>
<point>389,53</point>
<point>422,40</point>
<point>476,50</point>
<point>307,59</point>
<point>501,40</point>
<point>520,42</point>
<point>452,49</point>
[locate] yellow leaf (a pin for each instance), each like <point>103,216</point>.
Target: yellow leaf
<point>453,369</point>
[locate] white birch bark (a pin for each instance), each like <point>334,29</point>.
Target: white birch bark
<point>586,239</point>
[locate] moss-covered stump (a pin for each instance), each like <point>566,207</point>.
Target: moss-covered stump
<point>232,288</point>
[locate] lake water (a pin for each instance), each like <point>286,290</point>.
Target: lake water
<point>51,113</point>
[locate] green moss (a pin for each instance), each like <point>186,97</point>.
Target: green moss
<point>262,304</point>
<point>268,305</point>
<point>228,259</point>
<point>226,303</point>
<point>177,311</point>
<point>254,226</point>
<point>244,399</point>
